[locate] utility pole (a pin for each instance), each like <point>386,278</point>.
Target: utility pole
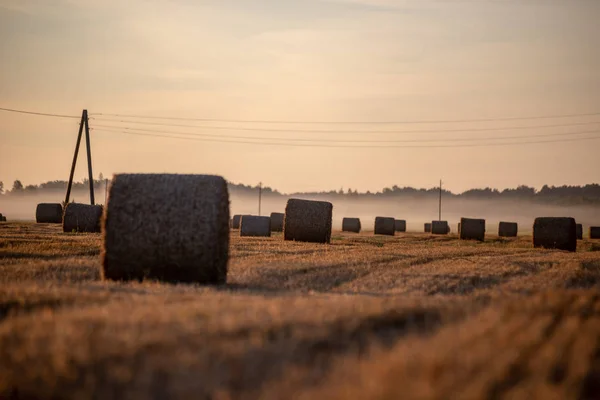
<point>105,191</point>
<point>83,124</point>
<point>259,196</point>
<point>440,209</point>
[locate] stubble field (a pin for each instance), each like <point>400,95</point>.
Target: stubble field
<point>410,316</point>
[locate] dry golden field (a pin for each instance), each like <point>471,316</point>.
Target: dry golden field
<point>407,317</point>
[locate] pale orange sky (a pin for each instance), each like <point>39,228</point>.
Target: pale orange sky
<point>304,60</point>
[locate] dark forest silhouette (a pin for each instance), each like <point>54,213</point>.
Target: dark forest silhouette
<point>562,195</point>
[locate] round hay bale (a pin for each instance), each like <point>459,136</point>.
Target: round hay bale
<point>555,233</point>
<point>168,227</point>
<point>3,219</point>
<point>385,226</point>
<point>427,227</point>
<point>400,225</point>
<point>440,227</point>
<point>277,222</point>
<point>49,213</point>
<point>579,228</point>
<point>235,221</point>
<point>472,229</point>
<point>351,225</point>
<point>508,229</point>
<point>82,218</point>
<point>252,225</point>
<point>307,221</point>
<point>594,232</point>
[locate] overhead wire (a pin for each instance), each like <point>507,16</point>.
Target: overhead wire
<point>320,140</point>
<point>286,130</point>
<point>202,139</point>
<point>267,121</point>
<point>38,113</point>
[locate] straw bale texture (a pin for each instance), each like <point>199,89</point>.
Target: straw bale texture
<point>351,225</point>
<point>555,233</point>
<point>385,226</point>
<point>253,225</point>
<point>400,225</point>
<point>472,229</point>
<point>50,213</point>
<point>579,228</point>
<point>308,221</point>
<point>440,227</point>
<point>167,227</point>
<point>508,229</point>
<point>235,221</point>
<point>277,222</point>
<point>82,218</point>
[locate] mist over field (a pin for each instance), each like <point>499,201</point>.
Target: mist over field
<point>418,211</point>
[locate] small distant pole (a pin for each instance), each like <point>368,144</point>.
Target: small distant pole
<point>440,211</point>
<point>259,196</point>
<point>105,191</point>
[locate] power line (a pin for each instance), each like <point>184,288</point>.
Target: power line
<point>39,113</point>
<point>207,135</point>
<point>350,146</point>
<point>556,116</point>
<point>230,128</point>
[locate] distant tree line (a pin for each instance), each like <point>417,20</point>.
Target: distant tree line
<point>564,195</point>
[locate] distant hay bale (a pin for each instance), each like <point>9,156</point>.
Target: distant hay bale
<point>472,229</point>
<point>253,225</point>
<point>166,227</point>
<point>307,221</point>
<point>82,218</point>
<point>351,225</point>
<point>579,228</point>
<point>427,227</point>
<point>555,233</point>
<point>508,229</point>
<point>277,222</point>
<point>49,213</point>
<point>400,225</point>
<point>440,227</point>
<point>385,226</point>
<point>235,221</point>
<point>594,232</point>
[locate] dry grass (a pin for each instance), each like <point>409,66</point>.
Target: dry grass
<point>410,316</point>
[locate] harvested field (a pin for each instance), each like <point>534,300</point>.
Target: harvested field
<point>410,316</point>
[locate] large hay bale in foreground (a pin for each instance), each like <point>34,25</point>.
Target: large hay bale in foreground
<point>440,227</point>
<point>49,213</point>
<point>351,225</point>
<point>167,227</point>
<point>472,229</point>
<point>594,232</point>
<point>235,221</point>
<point>555,233</point>
<point>400,225</point>
<point>307,221</point>
<point>277,222</point>
<point>385,226</point>
<point>508,229</point>
<point>253,225</point>
<point>82,218</point>
<point>427,227</point>
<point>579,228</point>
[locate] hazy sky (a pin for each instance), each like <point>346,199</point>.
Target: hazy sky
<point>304,60</point>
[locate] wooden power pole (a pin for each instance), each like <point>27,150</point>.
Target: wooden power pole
<point>259,196</point>
<point>84,124</point>
<point>440,208</point>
